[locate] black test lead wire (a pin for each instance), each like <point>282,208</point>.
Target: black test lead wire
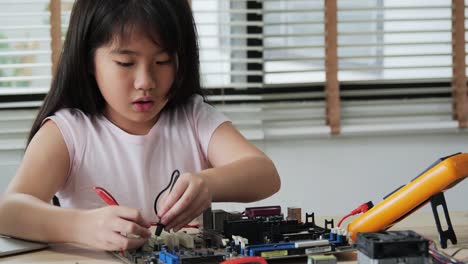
<point>174,177</point>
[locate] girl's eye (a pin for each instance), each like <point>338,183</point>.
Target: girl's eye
<point>124,64</point>
<point>164,62</point>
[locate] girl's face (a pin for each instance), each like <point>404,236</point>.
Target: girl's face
<point>134,77</point>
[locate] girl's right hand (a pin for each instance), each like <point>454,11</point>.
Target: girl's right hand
<point>106,228</point>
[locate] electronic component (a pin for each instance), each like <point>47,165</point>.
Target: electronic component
<point>271,230</point>
<point>284,249</point>
<point>211,238</point>
<point>443,174</point>
<point>392,247</point>
<point>295,213</point>
<point>338,236</point>
<point>208,219</point>
<point>190,257</point>
<point>220,216</point>
<point>185,240</point>
<point>251,229</point>
<point>321,259</point>
<point>252,212</point>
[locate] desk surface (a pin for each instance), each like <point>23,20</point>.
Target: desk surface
<point>422,223</point>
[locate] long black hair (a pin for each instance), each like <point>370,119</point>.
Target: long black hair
<point>94,23</point>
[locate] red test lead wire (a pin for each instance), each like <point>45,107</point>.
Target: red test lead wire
<point>360,209</point>
<point>246,260</point>
<point>105,196</point>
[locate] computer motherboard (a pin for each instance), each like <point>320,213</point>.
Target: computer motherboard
<point>259,231</point>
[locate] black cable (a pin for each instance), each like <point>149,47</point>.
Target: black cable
<point>174,177</point>
<point>458,250</point>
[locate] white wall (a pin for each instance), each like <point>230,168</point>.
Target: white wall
<point>9,160</point>
<point>331,176</point>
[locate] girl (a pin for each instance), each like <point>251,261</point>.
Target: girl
<point>124,111</point>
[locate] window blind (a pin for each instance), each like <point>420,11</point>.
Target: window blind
<point>395,65</point>
<point>24,47</point>
<point>265,63</point>
<point>25,64</point>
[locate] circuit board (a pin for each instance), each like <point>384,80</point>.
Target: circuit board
<point>259,231</point>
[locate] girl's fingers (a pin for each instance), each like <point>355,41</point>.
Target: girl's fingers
<point>194,210</point>
<point>180,205</point>
<point>128,227</point>
<point>118,242</point>
<point>188,216</point>
<point>135,242</point>
<point>171,198</point>
<point>129,220</point>
<point>107,228</point>
<point>132,215</point>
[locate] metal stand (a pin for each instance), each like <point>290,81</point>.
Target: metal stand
<point>444,235</point>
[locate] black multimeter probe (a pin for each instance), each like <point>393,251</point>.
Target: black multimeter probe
<point>159,226</point>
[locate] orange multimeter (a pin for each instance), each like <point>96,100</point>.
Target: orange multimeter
<point>442,175</point>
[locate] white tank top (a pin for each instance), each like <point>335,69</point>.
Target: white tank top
<point>133,168</point>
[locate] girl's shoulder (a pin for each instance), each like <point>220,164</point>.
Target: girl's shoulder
<point>74,117</point>
<point>197,107</point>
<point>73,123</point>
<point>71,114</point>
<point>193,101</point>
<point>74,126</point>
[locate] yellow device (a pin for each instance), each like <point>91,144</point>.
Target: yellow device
<point>442,175</point>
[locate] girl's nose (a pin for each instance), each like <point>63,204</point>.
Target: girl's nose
<point>144,80</point>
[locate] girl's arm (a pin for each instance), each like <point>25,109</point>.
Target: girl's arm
<point>240,173</point>
<point>26,212</point>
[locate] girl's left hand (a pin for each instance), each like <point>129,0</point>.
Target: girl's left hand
<point>187,200</point>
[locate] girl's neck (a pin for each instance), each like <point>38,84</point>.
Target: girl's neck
<point>132,127</point>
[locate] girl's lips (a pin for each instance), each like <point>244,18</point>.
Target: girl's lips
<point>143,106</point>
<point>144,99</point>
